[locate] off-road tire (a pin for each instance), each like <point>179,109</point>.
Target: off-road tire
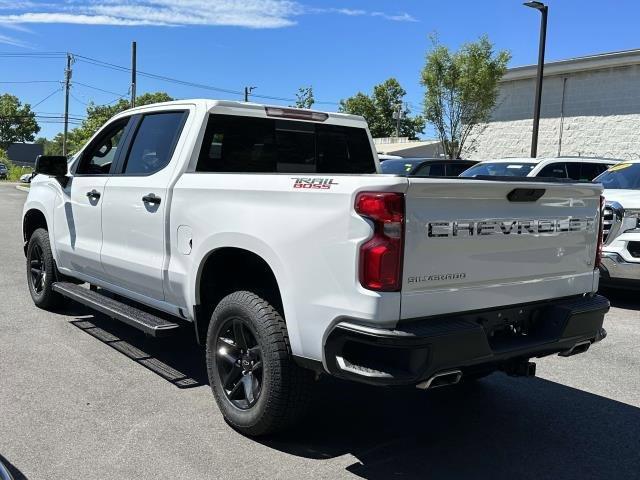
<point>43,296</point>
<point>286,387</point>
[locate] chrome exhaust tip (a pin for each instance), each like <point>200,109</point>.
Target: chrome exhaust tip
<point>441,379</point>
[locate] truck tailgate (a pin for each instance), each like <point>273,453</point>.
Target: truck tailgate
<point>473,244</point>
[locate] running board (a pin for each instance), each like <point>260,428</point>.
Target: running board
<point>146,322</point>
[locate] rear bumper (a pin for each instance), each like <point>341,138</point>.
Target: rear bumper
<point>615,269</point>
<point>472,342</point>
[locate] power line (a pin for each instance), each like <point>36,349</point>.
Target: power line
<point>78,100</point>
<point>32,54</point>
<point>100,63</point>
<point>79,116</point>
<point>30,81</point>
<point>99,89</point>
<point>154,76</point>
<point>47,97</point>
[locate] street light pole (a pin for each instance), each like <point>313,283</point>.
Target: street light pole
<point>247,92</point>
<point>544,10</point>
<point>133,73</point>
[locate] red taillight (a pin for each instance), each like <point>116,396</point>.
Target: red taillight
<point>598,261</point>
<point>381,256</point>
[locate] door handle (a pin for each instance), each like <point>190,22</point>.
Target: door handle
<point>151,198</point>
<point>93,194</point>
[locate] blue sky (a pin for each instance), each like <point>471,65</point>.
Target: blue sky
<point>339,47</point>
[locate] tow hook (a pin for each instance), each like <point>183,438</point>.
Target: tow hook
<point>523,368</point>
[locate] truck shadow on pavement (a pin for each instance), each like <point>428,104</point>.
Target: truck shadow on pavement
<point>499,427</point>
<point>177,359</point>
<point>627,299</point>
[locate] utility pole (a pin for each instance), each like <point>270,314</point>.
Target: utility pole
<point>67,86</point>
<point>247,92</point>
<point>133,74</point>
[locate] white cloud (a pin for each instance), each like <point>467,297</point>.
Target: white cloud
<point>402,17</point>
<point>239,13</point>
<point>7,40</point>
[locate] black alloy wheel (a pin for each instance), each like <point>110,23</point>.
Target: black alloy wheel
<point>38,269</point>
<point>240,363</point>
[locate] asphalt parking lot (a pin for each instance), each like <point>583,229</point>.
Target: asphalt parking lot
<point>84,397</point>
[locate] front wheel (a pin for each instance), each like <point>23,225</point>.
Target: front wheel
<point>41,271</point>
<point>254,379</point>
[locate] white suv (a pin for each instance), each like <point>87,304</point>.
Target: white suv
<point>621,251</point>
<point>574,168</point>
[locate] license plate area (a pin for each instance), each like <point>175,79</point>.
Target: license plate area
<point>515,328</point>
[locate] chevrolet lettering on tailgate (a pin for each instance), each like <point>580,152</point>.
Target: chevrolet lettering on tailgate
<point>476,228</point>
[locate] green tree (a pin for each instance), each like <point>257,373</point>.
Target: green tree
<point>97,116</point>
<point>50,147</point>
<point>17,121</point>
<point>380,110</point>
<point>461,89</point>
<point>304,97</point>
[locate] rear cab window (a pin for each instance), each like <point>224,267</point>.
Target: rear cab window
<point>266,145</point>
<point>553,170</point>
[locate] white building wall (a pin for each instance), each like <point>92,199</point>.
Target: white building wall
<point>601,117</point>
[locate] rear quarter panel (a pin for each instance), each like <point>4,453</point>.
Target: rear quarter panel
<point>309,238</point>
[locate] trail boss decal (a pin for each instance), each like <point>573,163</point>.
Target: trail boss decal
<point>313,183</point>
<point>473,228</point>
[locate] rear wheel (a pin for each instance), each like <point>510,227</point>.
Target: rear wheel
<point>254,379</point>
<point>41,271</point>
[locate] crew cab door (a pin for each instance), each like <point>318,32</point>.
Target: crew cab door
<point>78,213</point>
<point>135,203</point>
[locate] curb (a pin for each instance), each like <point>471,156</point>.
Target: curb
<point>22,188</point>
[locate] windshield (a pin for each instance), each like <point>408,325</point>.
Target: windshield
<point>621,176</point>
<point>499,169</point>
<point>398,167</point>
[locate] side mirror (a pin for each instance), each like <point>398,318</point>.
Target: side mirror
<point>53,165</point>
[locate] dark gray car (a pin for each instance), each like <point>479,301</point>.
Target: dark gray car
<point>426,167</point>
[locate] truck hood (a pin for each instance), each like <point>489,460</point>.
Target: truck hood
<point>626,198</point>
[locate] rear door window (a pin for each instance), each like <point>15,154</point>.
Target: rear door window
<point>573,170</point>
<point>553,170</point>
<point>589,171</point>
<point>455,169</point>
<point>264,145</point>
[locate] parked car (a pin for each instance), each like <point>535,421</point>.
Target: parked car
<point>574,168</point>
<point>26,178</point>
<point>4,171</point>
<point>426,167</point>
<point>5,474</point>
<point>262,229</point>
<point>621,232</point>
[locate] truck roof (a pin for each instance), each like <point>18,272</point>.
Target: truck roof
<point>249,106</point>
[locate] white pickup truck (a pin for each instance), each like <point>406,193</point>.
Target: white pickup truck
<point>271,232</point>
<point>620,265</point>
